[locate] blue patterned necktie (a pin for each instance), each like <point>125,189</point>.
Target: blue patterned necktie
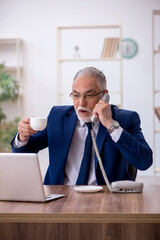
<point>86,160</point>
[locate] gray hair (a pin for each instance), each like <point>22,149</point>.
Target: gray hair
<point>95,73</point>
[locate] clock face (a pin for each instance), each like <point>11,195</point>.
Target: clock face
<point>129,48</point>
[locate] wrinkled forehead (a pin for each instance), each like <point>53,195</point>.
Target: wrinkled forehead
<point>85,84</point>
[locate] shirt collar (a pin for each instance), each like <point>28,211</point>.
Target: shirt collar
<point>82,124</point>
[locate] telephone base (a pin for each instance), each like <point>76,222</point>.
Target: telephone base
<point>126,186</point>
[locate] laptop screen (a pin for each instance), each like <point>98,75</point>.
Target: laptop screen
<point>20,177</point>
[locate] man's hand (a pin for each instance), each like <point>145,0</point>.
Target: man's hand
<point>103,111</point>
<point>25,129</point>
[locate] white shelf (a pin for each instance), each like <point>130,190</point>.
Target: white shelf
<point>10,40</point>
<point>156,91</point>
<point>157,169</point>
<point>156,51</point>
<point>89,60</point>
<point>11,57</point>
<point>67,93</point>
<point>88,27</point>
<point>155,78</point>
<point>12,68</point>
<point>90,54</point>
<point>157,131</point>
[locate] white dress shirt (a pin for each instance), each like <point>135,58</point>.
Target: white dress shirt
<point>76,150</point>
<point>76,154</point>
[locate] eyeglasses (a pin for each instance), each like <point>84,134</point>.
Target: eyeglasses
<point>88,96</point>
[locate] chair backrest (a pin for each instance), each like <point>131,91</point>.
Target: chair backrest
<point>132,171</point>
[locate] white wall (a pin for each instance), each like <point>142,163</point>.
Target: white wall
<point>36,23</point>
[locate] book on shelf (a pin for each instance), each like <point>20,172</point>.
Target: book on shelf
<point>157,112</point>
<point>104,47</point>
<point>114,47</point>
<point>110,47</point>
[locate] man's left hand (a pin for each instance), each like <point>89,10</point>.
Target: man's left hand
<point>103,111</point>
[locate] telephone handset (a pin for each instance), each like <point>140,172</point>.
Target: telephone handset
<point>105,98</point>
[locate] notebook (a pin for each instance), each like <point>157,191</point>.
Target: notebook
<point>21,179</point>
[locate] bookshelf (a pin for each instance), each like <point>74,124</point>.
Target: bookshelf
<point>11,56</point>
<point>91,43</point>
<point>156,87</point>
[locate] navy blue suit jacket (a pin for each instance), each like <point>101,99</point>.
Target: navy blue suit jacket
<point>130,148</point>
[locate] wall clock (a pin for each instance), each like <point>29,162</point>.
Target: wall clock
<point>129,48</point>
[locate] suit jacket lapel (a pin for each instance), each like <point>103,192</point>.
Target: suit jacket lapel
<point>69,127</point>
<point>102,132</point>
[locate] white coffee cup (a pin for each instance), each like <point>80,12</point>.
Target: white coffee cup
<point>38,123</point>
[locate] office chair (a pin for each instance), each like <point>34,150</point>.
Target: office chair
<point>132,171</point>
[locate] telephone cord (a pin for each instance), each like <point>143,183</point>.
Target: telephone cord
<point>99,160</point>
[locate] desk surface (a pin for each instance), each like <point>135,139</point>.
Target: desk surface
<point>87,207</point>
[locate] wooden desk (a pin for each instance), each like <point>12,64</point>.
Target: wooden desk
<point>95,216</point>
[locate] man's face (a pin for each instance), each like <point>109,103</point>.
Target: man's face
<point>84,86</point>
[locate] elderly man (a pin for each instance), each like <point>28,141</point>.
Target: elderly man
<point>120,141</point>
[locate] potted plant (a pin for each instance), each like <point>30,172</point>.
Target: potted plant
<point>9,91</point>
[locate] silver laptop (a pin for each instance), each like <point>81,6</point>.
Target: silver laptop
<point>21,179</point>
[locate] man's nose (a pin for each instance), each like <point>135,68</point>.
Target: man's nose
<point>82,101</point>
